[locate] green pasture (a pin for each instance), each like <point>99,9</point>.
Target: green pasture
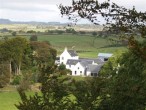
<point>86,46</point>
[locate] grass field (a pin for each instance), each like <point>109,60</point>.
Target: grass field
<point>86,46</point>
<point>8,99</point>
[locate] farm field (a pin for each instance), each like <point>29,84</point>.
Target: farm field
<point>86,46</point>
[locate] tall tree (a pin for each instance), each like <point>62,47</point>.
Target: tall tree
<point>12,50</point>
<point>125,88</point>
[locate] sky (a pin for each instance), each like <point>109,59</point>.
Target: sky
<point>47,10</point>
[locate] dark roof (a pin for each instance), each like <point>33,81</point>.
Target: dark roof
<point>94,68</point>
<point>86,63</point>
<point>72,53</point>
<point>72,62</point>
<point>96,60</point>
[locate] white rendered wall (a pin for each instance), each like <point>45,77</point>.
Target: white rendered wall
<point>80,70</point>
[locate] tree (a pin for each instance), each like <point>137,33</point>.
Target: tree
<point>14,33</point>
<point>87,93</point>
<point>109,92</point>
<point>125,88</point>
<point>43,54</point>
<point>126,85</point>
<point>33,38</point>
<point>62,67</point>
<point>127,22</point>
<point>12,51</point>
<point>70,30</point>
<point>4,74</point>
<point>55,94</point>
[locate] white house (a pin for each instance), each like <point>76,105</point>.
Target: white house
<point>68,54</point>
<point>83,66</point>
<point>80,68</point>
<point>71,64</point>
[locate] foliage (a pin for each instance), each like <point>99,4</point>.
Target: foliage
<point>70,30</point>
<point>12,50</point>
<point>125,86</point>
<point>4,74</point>
<point>14,33</point>
<point>87,93</point>
<point>54,94</point>
<point>33,38</point>
<point>62,67</point>
<point>25,82</point>
<point>43,54</point>
<point>31,31</point>
<point>17,79</point>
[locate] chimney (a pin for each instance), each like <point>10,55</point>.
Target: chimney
<point>65,49</point>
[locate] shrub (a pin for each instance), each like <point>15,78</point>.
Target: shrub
<point>17,79</point>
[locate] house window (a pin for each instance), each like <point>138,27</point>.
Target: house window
<point>95,74</point>
<point>80,71</point>
<point>75,72</point>
<point>62,58</point>
<point>78,68</point>
<point>70,66</point>
<point>92,74</point>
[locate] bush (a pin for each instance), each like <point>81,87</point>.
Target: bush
<point>33,38</point>
<point>62,67</point>
<point>14,33</point>
<point>17,79</point>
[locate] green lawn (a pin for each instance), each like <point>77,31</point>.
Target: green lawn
<point>8,99</point>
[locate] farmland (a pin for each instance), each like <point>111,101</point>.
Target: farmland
<point>85,45</point>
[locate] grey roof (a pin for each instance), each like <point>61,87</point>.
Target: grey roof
<point>72,62</point>
<point>86,63</point>
<point>72,53</point>
<point>106,55</point>
<point>96,60</point>
<point>94,68</point>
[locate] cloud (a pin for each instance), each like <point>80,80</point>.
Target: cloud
<point>28,7</point>
<point>47,10</point>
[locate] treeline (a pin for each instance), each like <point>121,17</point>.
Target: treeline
<point>19,56</point>
<point>55,31</point>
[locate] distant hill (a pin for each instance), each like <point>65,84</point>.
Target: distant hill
<point>7,21</point>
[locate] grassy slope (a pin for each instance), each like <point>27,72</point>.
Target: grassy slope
<point>8,99</point>
<point>86,46</point>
